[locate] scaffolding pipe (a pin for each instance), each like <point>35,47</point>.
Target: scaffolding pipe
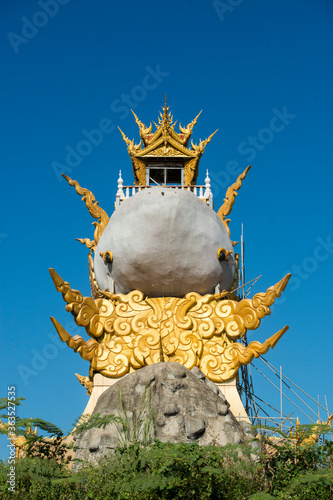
<point>312,399</point>
<point>242,262</point>
<point>292,402</point>
<point>285,383</point>
<point>281,394</point>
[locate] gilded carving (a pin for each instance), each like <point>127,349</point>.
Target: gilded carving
<point>191,171</point>
<point>221,363</point>
<point>186,132</point>
<point>86,241</point>
<point>106,256</point>
<point>139,170</point>
<point>165,142</point>
<point>95,291</point>
<point>229,199</point>
<point>94,209</point>
<point>223,254</point>
<point>200,148</point>
<point>145,132</point>
<point>86,382</point>
<point>131,331</point>
<point>166,150</point>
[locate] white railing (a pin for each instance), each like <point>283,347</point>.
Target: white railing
<point>125,192</point>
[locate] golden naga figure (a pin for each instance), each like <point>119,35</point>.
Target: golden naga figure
<point>163,272</point>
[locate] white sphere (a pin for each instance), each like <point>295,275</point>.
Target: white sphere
<point>164,242</point>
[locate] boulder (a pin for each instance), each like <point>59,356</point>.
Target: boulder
<point>163,401</point>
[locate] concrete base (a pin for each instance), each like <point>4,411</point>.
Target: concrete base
<point>228,389</point>
<point>101,383</point>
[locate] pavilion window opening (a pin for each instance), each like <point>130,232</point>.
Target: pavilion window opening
<point>165,175</point>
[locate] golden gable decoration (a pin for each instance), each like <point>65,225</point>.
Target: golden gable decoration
<point>165,142</point>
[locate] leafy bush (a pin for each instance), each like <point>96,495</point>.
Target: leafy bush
<point>51,446</point>
<point>175,471</point>
<point>295,467</point>
<point>169,471</point>
<point>295,461</point>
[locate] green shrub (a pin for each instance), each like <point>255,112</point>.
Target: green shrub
<point>292,469</point>
<point>180,471</point>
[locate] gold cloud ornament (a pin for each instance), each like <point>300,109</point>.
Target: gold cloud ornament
<point>130,331</point>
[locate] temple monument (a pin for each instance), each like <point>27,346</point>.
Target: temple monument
<point>164,274</point>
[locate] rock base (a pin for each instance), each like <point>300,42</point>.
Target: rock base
<point>163,401</point>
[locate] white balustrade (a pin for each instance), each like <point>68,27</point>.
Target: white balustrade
<point>203,192</point>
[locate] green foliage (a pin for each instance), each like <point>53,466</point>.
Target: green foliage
<point>4,404</point>
<point>175,471</point>
<point>137,430</point>
<point>261,496</point>
<point>311,485</point>
<point>38,478</point>
<point>140,429</point>
<point>295,456</point>
<point>142,469</point>
<point>170,471</point>
<point>86,422</point>
<point>51,446</point>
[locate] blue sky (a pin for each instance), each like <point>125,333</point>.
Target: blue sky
<point>262,73</point>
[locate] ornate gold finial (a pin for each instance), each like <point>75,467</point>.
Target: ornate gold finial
<point>165,119</point>
<point>132,148</point>
<point>73,297</point>
<point>200,148</point>
<point>143,130</point>
<point>86,382</point>
<point>94,209</point>
<point>187,131</point>
<point>229,199</point>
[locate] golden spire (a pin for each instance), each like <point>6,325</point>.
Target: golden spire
<point>166,119</point>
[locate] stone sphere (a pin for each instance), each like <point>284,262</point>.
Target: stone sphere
<point>164,242</point>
